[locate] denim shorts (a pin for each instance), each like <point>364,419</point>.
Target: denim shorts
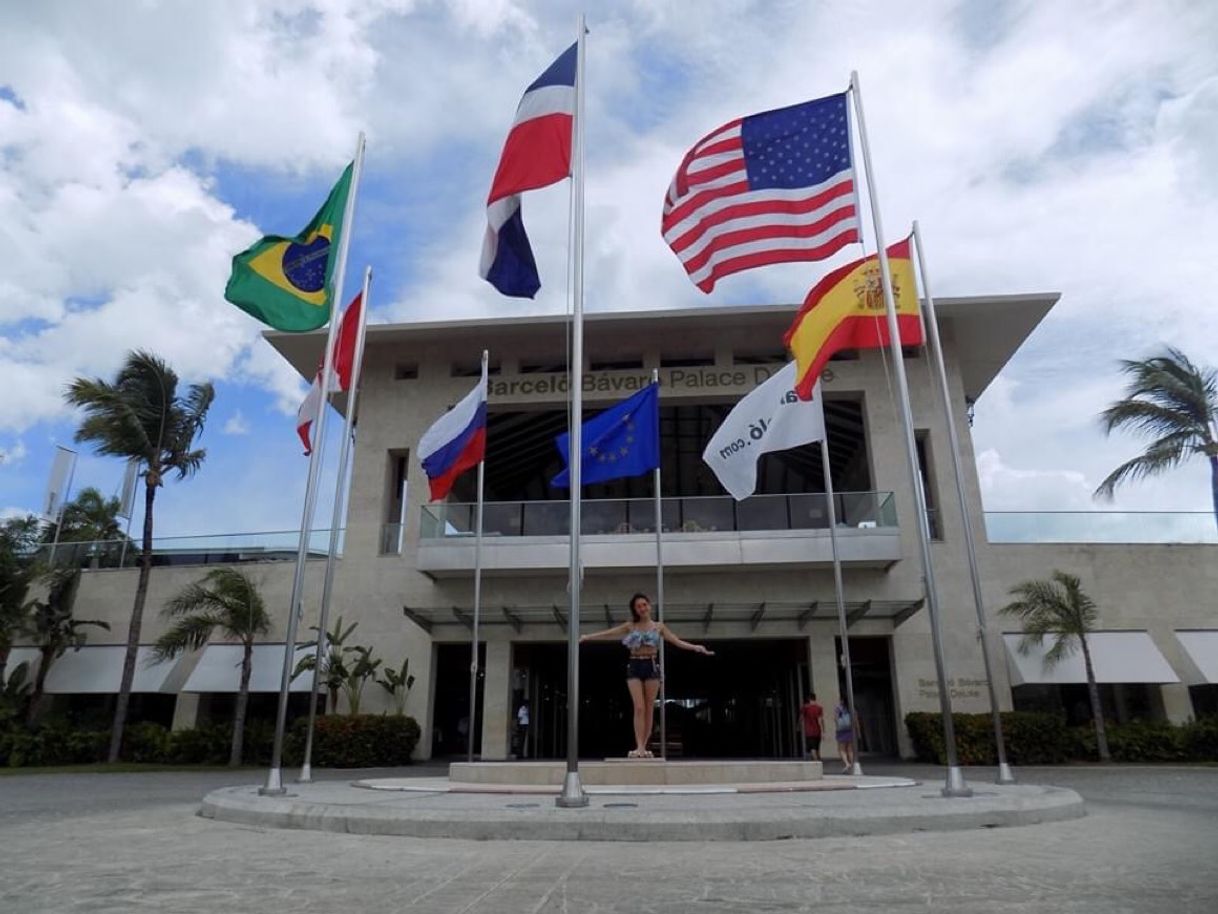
<point>643,668</point>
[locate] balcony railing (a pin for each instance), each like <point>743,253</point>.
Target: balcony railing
<point>210,549</point>
<point>1101,527</point>
<point>693,514</point>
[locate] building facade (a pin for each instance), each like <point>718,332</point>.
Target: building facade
<point>752,579</point>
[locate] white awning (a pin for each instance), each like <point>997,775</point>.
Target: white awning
<point>18,656</point>
<point>96,670</point>
<point>1118,657</point>
<point>1202,648</point>
<point>219,669</point>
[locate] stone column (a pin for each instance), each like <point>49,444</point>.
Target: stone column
<point>496,697</point>
<point>822,653</point>
<point>1177,703</point>
<point>186,711</point>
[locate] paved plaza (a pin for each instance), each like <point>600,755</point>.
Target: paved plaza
<point>133,842</point>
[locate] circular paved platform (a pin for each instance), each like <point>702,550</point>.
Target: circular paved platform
<point>645,814</point>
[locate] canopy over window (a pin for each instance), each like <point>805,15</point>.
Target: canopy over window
<point>95,670</point>
<point>1118,657</point>
<point>219,669</point>
<point>1202,649</point>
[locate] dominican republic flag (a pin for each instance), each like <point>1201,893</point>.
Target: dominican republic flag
<point>340,373</point>
<point>456,442</point>
<point>537,154</point>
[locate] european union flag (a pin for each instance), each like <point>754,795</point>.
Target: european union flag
<point>622,441</point>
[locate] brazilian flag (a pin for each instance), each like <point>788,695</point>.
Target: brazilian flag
<point>285,282</point>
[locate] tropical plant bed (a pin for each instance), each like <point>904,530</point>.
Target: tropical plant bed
<point>340,741</point>
<point>1033,738</point>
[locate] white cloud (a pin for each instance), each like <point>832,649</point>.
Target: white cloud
<point>12,456</point>
<point>1043,146</point>
<point>237,424</point>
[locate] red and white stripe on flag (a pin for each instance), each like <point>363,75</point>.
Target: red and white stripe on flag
<point>770,188</point>
<point>340,375</point>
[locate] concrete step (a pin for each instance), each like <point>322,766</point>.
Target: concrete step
<point>624,771</point>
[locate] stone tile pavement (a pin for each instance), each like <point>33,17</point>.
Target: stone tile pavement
<point>110,843</point>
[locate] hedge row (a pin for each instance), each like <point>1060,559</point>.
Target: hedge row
<point>339,741</point>
<point>1033,738</point>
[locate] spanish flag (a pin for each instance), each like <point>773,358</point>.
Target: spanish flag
<point>285,282</point>
<point>845,310</point>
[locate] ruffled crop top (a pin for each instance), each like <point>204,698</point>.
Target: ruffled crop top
<point>638,639</point>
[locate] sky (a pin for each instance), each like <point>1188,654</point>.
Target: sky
<point>1042,147</point>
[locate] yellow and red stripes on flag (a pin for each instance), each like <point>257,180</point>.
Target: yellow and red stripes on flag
<point>845,310</point>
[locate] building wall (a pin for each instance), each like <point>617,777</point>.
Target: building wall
<point>1137,586</point>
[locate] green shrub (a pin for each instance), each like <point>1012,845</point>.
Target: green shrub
<point>1200,739</point>
<point>146,742</point>
<point>52,745</point>
<point>355,741</point>
<point>1137,741</point>
<point>1033,738</point>
<point>205,745</point>
<point>1030,738</point>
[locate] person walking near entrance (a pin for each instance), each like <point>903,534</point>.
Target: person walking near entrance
<point>522,728</point>
<point>844,724</point>
<point>641,636</point>
<point>813,719</point>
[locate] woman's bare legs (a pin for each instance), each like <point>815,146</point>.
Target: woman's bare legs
<point>651,688</point>
<point>642,715</point>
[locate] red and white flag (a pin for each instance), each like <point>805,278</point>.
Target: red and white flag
<point>340,375</point>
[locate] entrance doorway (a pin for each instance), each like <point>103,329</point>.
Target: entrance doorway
<point>741,703</point>
<point>871,660</point>
<point>451,728</point>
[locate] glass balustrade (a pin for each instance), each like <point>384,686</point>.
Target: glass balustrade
<point>693,514</point>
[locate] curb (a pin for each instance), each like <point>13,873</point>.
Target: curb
<point>538,820</point>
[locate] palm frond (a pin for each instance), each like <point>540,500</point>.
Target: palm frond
<point>1167,397</point>
<point>188,633</point>
<point>1164,454</point>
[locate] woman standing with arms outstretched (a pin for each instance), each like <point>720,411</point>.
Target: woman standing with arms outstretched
<point>641,636</point>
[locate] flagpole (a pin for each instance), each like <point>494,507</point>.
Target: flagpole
<point>954,785</point>
<point>655,477</point>
<point>473,661</point>
<point>274,777</point>
<point>573,795</point>
<point>63,504</point>
<point>132,464</point>
<point>839,590</point>
<point>336,520</point>
<point>1005,775</point>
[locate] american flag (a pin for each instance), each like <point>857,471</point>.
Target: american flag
<point>769,188</point>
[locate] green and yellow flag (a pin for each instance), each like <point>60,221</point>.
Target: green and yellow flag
<point>285,282</point>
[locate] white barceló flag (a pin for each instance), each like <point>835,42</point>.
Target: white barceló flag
<point>769,418</point>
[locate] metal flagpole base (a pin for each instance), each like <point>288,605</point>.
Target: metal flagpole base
<point>856,770</point>
<point>955,785</point>
<point>572,796</point>
<point>306,774</point>
<point>1005,775</point>
<point>274,784</point>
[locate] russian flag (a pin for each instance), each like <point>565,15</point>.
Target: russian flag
<point>537,153</point>
<point>456,442</point>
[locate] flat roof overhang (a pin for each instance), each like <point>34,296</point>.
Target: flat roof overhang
<point>987,330</point>
<point>792,617</point>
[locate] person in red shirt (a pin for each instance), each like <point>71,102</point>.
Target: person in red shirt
<point>813,716</point>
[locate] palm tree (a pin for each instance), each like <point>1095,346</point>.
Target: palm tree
<point>18,542</point>
<point>224,599</point>
<point>140,416</point>
<point>89,518</point>
<point>334,667</point>
<point>54,629</point>
<point>1175,402</point>
<point>1059,607</point>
